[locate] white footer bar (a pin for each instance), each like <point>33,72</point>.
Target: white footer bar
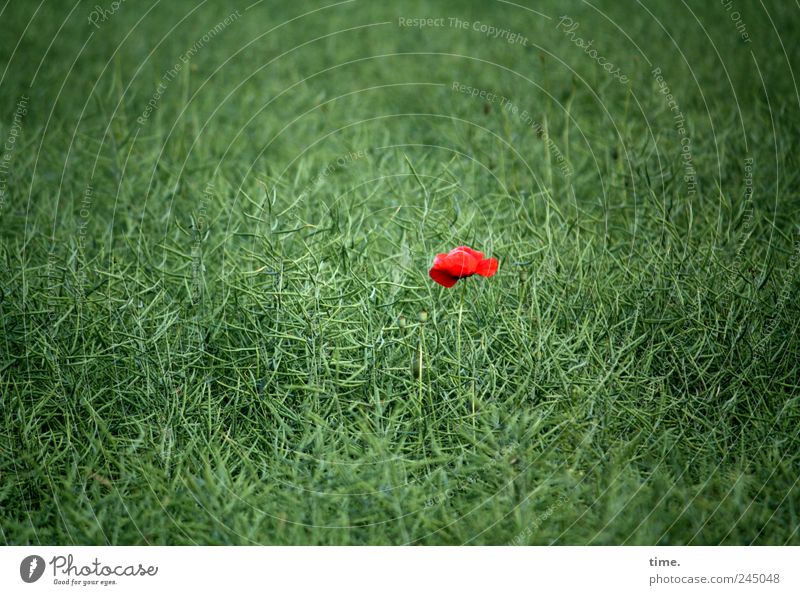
<point>388,571</point>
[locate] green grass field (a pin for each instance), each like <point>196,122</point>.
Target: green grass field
<point>216,226</point>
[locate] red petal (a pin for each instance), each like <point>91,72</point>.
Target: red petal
<point>460,264</point>
<point>468,250</point>
<point>487,267</point>
<point>442,277</point>
<point>438,262</point>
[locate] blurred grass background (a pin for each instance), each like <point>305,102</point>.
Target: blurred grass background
<point>214,274</point>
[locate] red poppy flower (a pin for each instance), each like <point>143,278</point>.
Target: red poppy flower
<point>459,263</point>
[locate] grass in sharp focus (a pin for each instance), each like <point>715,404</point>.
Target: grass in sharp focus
<point>217,325</point>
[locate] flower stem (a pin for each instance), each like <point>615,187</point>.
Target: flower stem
<point>458,332</point>
<point>459,352</point>
<point>420,351</point>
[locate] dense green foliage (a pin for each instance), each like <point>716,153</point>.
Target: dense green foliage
<point>217,324</point>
